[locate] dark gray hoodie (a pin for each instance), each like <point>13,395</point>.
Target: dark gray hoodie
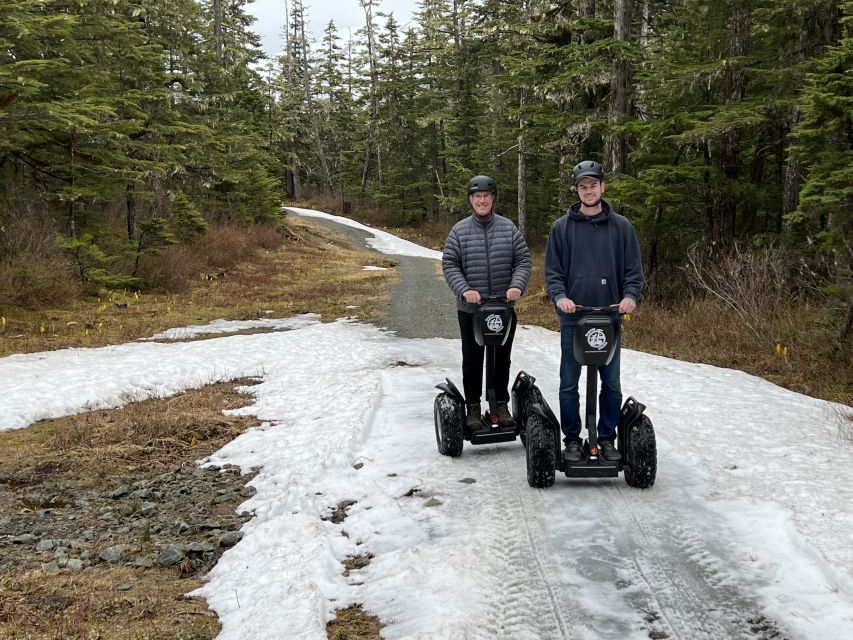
<point>595,261</point>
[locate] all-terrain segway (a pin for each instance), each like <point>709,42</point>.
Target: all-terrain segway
<point>492,324</point>
<point>594,342</point>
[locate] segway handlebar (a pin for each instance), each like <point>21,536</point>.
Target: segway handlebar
<point>611,308</point>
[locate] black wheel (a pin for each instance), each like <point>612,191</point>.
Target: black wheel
<point>642,457</point>
<point>533,397</point>
<point>541,455</point>
<point>449,421</point>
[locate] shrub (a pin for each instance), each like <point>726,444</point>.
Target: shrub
<point>27,230</point>
<point>757,284</point>
<point>225,246</point>
<point>266,236</point>
<point>32,282</point>
<point>172,269</point>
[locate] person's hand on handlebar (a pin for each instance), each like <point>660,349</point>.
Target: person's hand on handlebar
<point>627,305</point>
<point>513,294</point>
<point>472,296</point>
<point>567,305</point>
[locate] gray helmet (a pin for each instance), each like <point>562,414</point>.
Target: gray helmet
<point>482,183</point>
<point>588,169</point>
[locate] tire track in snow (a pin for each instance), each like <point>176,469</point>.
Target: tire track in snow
<point>688,593</point>
<point>527,514</point>
<point>526,604</point>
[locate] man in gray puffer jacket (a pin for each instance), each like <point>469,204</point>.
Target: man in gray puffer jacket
<point>485,255</point>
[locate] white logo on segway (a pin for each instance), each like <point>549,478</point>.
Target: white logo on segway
<point>494,323</point>
<point>596,339</point>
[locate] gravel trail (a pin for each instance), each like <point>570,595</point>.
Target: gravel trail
<point>421,305</point>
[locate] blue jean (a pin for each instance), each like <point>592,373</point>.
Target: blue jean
<point>609,398</point>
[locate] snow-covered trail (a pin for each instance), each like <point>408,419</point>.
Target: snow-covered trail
<point>463,548</point>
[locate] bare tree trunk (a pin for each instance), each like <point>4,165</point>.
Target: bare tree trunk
<point>130,201</point>
<point>312,114</point>
<point>793,183</point>
<point>217,30</point>
<point>722,208</point>
<point>522,166</point>
<point>564,192</point>
<point>646,25</point>
<point>618,108</point>
<point>297,180</point>
<point>577,133</point>
<point>72,220</point>
<point>435,178</point>
<point>654,240</point>
<point>373,130</point>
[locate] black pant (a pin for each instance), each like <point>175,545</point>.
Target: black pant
<point>472,361</point>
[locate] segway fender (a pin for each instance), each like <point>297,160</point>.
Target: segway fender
<point>545,412</point>
<point>631,412</point>
<point>450,389</point>
<point>637,442</point>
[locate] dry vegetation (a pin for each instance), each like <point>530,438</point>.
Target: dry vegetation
<point>307,269</point>
<point>303,269</point>
<point>115,603</point>
<point>91,452</point>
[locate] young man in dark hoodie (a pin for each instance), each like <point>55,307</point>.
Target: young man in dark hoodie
<point>593,260</point>
<point>484,255</point>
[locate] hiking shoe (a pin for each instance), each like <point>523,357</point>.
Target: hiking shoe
<point>504,417</point>
<point>572,452</point>
<point>609,452</point>
<point>472,419</point>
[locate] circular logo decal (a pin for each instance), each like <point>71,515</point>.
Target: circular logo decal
<point>494,323</point>
<point>596,339</point>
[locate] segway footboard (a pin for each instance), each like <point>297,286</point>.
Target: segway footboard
<point>489,435</point>
<point>590,468</point>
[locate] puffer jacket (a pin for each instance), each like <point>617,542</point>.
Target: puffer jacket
<point>595,261</point>
<point>489,255</point>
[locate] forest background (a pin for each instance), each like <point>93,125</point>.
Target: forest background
<point>145,143</point>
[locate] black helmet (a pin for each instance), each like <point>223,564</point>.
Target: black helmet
<point>588,169</point>
<point>482,183</point>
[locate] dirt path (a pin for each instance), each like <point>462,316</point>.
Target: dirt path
<point>421,305</point>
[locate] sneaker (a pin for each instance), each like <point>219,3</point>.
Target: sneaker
<point>504,417</point>
<point>572,452</point>
<point>472,419</point>
<point>609,452</point>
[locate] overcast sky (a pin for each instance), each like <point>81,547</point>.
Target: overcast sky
<point>347,14</point>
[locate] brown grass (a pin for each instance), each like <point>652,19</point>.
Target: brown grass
<point>116,603</point>
<point>157,433</point>
<point>90,450</point>
<point>354,623</point>
<point>314,270</point>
